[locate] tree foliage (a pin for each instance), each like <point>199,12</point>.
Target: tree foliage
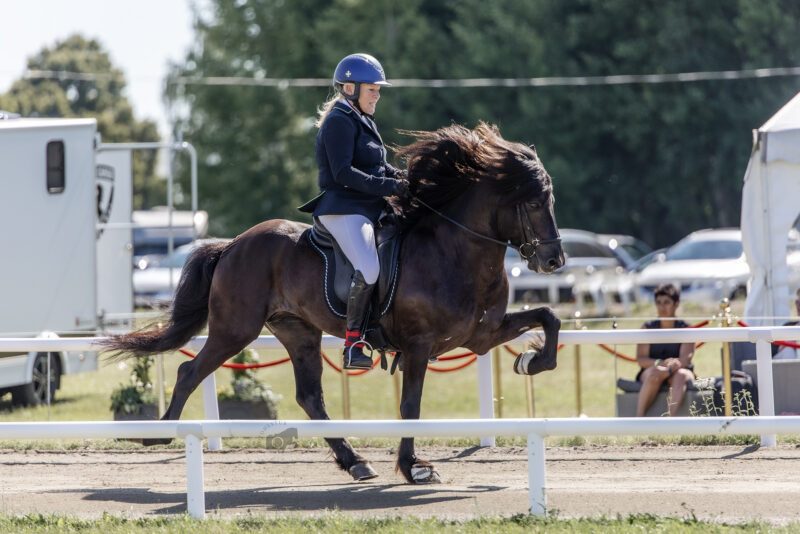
<point>653,160</point>
<point>101,97</point>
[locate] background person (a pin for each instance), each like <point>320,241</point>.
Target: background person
<point>660,362</point>
<point>354,178</point>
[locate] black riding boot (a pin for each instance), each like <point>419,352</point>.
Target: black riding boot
<point>357,309</point>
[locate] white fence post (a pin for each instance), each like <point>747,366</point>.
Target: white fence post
<point>195,490</point>
<point>486,394</point>
<point>211,408</point>
<point>766,397</point>
<point>536,475</point>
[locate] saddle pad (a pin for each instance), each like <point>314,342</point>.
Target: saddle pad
<point>338,271</point>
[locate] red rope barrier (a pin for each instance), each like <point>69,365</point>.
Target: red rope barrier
<point>338,369</point>
<point>355,372</point>
<point>190,354</point>
<point>790,344</point>
<point>455,356</point>
<point>454,368</point>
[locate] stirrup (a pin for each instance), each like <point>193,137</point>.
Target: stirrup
<point>366,363</point>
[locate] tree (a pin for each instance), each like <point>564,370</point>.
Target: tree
<point>258,142</point>
<point>653,160</point>
<point>100,96</point>
<point>657,160</point>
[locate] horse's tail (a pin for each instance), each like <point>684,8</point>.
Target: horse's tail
<point>189,311</point>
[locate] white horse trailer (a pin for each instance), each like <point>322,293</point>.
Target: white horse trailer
<point>58,271</point>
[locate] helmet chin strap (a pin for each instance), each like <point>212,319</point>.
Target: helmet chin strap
<point>354,102</point>
<point>356,93</point>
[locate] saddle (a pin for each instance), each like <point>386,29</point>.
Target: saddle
<point>338,273</point>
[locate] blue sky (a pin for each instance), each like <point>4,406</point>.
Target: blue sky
<point>142,36</point>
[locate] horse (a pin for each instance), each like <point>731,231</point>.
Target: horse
<point>471,194</point>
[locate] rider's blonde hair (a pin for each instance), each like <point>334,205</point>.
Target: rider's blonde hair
<point>324,109</point>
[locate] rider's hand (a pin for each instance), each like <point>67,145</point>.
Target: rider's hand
<point>401,187</point>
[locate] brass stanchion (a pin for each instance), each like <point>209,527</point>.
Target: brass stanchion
<point>498,382</point>
<point>530,404</point>
<point>345,394</point>
<point>578,393</point>
<point>726,321</point>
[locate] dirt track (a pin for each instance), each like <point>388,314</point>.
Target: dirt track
<point>722,483</point>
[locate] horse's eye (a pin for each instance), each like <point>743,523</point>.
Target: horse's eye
<point>535,205</point>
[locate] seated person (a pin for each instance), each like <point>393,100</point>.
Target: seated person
<point>788,353</point>
<point>671,362</point>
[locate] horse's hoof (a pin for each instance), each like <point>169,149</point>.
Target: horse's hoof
<point>362,471</point>
<point>532,362</point>
<point>424,473</point>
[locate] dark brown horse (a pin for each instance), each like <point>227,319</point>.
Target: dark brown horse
<point>471,192</point>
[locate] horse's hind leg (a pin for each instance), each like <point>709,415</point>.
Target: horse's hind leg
<point>191,373</point>
<point>303,343</point>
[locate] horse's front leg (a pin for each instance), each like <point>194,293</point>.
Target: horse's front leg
<point>415,470</point>
<point>538,358</point>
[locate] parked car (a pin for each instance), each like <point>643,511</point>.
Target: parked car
<point>588,262</point>
<point>628,248</point>
<point>154,284</point>
<point>706,265</point>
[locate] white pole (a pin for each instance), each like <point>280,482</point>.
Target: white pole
<point>195,491</point>
<point>211,408</point>
<point>766,397</point>
<point>486,394</point>
<point>536,475</point>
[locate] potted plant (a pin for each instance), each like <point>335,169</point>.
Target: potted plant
<point>250,398</point>
<point>136,400</point>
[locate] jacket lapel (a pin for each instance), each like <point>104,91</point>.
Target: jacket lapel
<point>363,119</point>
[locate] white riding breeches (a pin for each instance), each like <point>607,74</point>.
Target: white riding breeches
<point>355,235</point>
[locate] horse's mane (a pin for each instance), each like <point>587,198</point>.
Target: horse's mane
<point>443,163</point>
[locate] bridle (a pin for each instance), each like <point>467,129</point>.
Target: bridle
<point>530,241</point>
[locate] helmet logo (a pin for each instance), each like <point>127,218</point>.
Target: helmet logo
<point>347,73</point>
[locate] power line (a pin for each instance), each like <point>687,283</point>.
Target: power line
<point>548,81</point>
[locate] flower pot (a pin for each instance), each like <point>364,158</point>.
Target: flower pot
<point>238,409</point>
<point>144,412</point>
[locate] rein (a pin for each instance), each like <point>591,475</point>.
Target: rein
<point>531,243</point>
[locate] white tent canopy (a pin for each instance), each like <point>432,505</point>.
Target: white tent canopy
<point>770,205</point>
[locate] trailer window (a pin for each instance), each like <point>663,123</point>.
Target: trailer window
<point>55,167</point>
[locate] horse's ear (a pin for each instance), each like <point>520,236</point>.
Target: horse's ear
<point>532,147</point>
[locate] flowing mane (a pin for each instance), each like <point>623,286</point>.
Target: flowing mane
<point>442,164</point>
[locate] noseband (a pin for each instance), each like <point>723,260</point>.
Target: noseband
<point>530,241</point>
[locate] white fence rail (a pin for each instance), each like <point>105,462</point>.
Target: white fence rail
<point>535,429</point>
<point>761,336</point>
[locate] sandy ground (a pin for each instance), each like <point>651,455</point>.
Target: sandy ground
<point>717,483</point>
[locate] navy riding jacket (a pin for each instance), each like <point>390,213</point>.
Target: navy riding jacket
<point>353,173</point>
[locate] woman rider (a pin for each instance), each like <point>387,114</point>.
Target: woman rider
<point>354,178</point>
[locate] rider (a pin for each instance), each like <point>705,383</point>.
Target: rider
<point>354,178</point>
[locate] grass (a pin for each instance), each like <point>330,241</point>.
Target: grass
<point>336,522</point>
<point>86,397</point>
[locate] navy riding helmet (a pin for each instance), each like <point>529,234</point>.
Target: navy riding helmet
<point>358,69</point>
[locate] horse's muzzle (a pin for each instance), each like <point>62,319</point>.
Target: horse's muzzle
<point>547,259</point>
